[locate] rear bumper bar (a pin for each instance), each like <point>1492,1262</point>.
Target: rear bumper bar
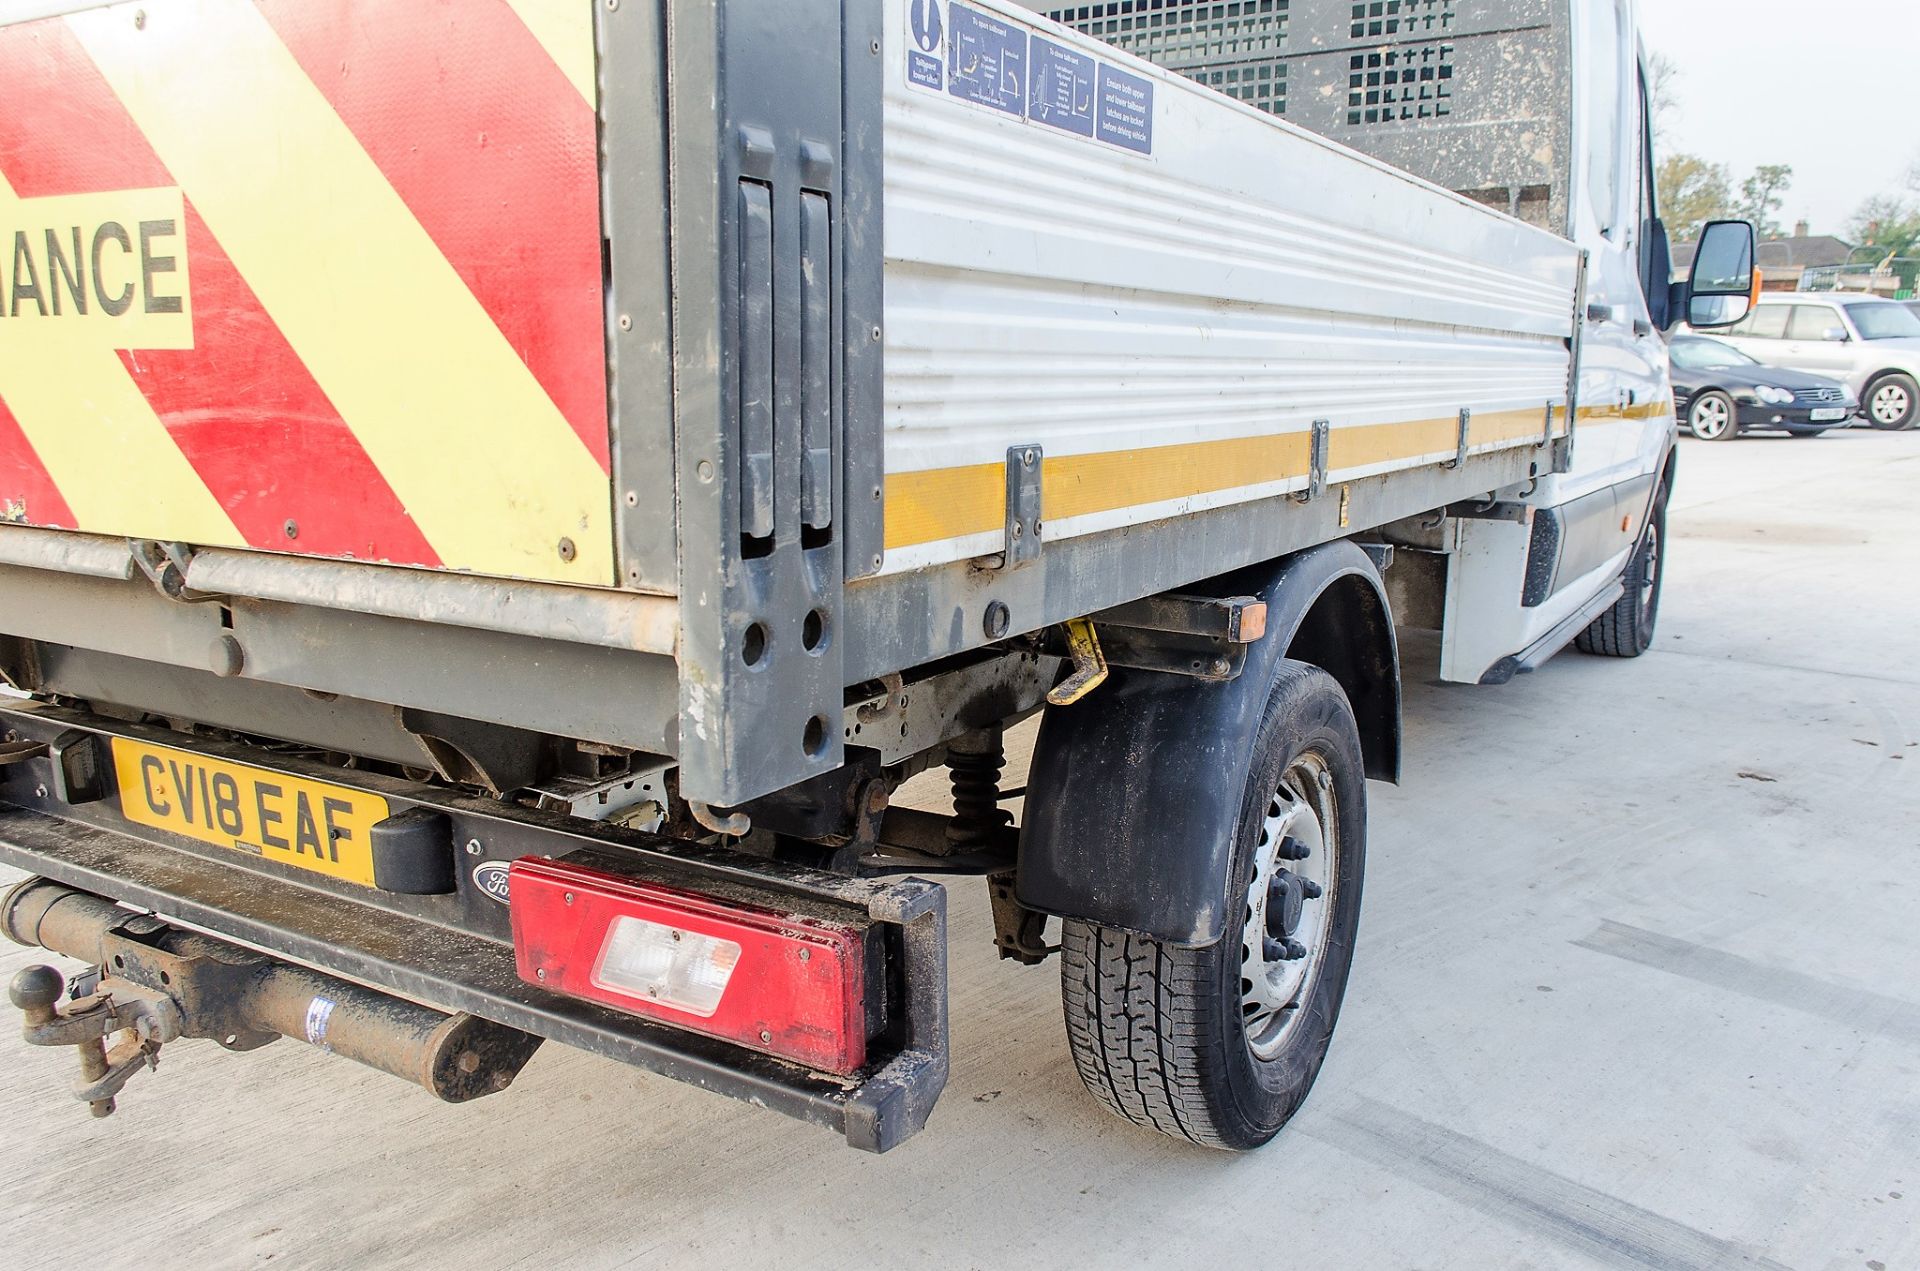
<point>452,952</point>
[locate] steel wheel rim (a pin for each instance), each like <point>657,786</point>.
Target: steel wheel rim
<point>1710,419</point>
<point>1650,572</point>
<point>1890,404</point>
<point>1303,810</point>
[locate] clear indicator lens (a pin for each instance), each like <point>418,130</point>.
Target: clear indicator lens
<point>668,965</point>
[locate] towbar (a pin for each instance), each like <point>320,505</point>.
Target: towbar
<point>153,983</point>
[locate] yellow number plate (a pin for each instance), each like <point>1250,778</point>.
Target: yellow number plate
<point>309,825</point>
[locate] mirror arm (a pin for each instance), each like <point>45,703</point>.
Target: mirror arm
<point>1679,303</point>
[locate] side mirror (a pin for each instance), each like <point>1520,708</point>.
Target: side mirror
<point>1835,335</point>
<point>1725,284</point>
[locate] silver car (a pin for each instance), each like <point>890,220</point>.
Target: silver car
<point>1872,344</point>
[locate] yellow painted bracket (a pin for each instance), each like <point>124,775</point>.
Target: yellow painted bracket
<point>1089,665</point>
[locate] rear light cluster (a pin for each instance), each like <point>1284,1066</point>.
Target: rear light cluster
<point>790,986</point>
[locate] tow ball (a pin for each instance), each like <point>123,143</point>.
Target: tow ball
<point>152,983</point>
<point>91,1026</point>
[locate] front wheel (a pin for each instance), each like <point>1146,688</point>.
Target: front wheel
<point>1713,417</point>
<point>1220,1045</point>
<point>1893,402</point>
<point>1626,630</point>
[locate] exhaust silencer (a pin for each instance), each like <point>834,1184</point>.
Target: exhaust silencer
<point>157,982</point>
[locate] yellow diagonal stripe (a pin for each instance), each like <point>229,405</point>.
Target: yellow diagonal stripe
<point>108,453</point>
<point>565,30</point>
<point>482,459</point>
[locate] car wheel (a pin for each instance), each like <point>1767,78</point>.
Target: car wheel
<point>1713,417</point>
<point>1893,402</point>
<point>1626,630</point>
<point>1219,1045</point>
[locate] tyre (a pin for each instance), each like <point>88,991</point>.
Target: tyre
<point>1712,416</point>
<point>1626,630</point>
<point>1893,402</point>
<point>1220,1045</point>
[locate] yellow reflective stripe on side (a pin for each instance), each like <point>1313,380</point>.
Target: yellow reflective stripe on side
<point>948,503</point>
<point>108,452</point>
<point>477,452</point>
<point>565,30</point>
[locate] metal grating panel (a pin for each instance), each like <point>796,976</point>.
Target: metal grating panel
<point>1415,18</point>
<point>1232,46</point>
<point>1393,86</point>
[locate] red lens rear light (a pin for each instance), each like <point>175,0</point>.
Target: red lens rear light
<point>788,985</point>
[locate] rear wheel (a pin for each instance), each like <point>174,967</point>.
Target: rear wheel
<point>1220,1045</point>
<point>1626,630</point>
<point>1893,402</point>
<point>1713,417</point>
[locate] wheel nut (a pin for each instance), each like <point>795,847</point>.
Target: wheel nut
<point>1310,889</point>
<point>1282,950</point>
<point>1292,849</point>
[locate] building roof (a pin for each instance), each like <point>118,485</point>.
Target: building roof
<point>1801,251</point>
<point>1812,251</point>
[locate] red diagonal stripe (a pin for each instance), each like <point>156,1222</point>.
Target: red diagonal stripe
<point>62,131</point>
<point>260,431</point>
<point>495,153</point>
<point>27,492</point>
<point>240,404</point>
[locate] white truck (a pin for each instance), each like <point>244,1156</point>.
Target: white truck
<point>498,498</point>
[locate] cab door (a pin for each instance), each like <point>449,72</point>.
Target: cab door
<point>1499,614</point>
<point>1624,378</point>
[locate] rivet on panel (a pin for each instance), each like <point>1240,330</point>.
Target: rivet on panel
<point>626,322</point>
<point>567,552</point>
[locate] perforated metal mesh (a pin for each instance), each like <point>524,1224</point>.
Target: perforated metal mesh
<point>1230,45</point>
<point>1393,86</point>
<point>1416,18</point>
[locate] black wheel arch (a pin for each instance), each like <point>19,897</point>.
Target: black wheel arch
<point>1136,792</point>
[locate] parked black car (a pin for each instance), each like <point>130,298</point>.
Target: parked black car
<point>1720,392</point>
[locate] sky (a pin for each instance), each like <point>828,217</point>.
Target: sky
<point>1832,88</point>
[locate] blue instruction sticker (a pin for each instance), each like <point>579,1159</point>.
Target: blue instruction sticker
<point>1061,88</point>
<point>923,70</point>
<point>986,60</point>
<point>1126,110</point>
<point>929,35</point>
<point>982,58</point>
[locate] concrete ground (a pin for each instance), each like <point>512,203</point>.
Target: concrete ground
<point>1636,988</point>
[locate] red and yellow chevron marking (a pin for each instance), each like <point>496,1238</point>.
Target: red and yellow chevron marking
<point>308,275</point>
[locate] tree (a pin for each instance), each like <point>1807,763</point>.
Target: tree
<point>1762,195</point>
<point>1890,224</point>
<point>1693,192</point>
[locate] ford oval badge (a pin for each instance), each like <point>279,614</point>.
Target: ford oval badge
<point>491,877</point>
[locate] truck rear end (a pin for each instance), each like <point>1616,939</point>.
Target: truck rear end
<point>498,497</point>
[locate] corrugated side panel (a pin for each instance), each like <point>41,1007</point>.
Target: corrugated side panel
<point>1163,289</point>
<point>313,276</point>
